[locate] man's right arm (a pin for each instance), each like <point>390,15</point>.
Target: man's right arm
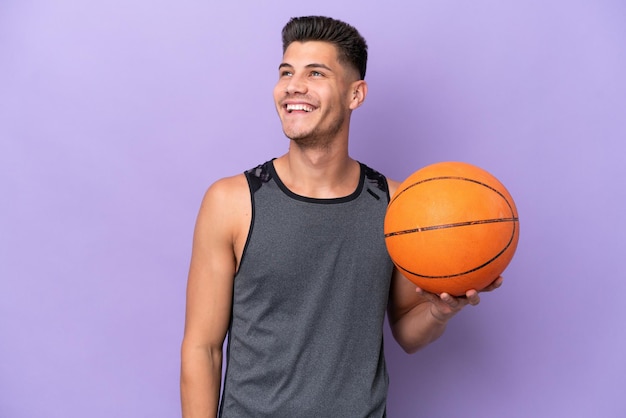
<point>209,295</point>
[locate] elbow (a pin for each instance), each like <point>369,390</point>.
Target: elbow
<point>194,353</point>
<point>410,347</point>
<point>413,340</point>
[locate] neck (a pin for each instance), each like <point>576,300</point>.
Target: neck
<point>323,173</point>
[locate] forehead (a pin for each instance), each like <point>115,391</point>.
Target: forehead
<point>304,53</point>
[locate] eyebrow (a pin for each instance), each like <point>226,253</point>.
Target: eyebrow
<point>312,65</point>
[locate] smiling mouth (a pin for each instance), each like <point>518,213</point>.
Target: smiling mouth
<point>298,107</point>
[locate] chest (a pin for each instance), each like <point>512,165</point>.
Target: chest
<point>298,247</point>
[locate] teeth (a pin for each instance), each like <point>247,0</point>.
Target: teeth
<point>292,107</point>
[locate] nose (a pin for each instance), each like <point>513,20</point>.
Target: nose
<point>296,85</point>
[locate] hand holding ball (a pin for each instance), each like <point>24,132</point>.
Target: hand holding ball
<point>451,227</point>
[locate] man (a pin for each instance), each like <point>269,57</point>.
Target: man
<point>289,259</point>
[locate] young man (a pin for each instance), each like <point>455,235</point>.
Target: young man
<point>289,259</point>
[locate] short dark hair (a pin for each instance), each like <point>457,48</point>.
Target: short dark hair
<point>351,46</point>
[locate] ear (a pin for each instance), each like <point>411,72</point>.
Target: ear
<point>358,93</point>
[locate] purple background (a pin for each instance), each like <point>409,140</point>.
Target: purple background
<point>115,117</point>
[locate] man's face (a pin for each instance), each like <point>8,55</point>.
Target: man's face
<point>314,93</point>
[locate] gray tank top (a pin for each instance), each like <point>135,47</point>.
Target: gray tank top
<point>309,300</point>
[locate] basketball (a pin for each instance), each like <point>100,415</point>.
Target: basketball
<point>451,227</point>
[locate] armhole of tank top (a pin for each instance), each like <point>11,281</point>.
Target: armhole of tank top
<point>251,226</point>
<point>364,169</point>
<point>387,190</point>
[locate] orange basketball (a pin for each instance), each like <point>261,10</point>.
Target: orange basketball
<point>451,227</point>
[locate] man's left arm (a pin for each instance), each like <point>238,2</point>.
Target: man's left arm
<point>418,318</point>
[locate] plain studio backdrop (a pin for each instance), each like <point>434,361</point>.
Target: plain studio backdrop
<point>115,116</point>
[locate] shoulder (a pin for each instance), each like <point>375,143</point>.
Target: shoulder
<point>227,189</point>
<point>393,186</point>
<point>230,196</point>
<point>381,181</point>
<point>224,217</point>
<point>224,201</point>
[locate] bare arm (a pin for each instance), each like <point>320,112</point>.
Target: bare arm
<point>223,213</point>
<point>418,318</point>
<point>412,324</point>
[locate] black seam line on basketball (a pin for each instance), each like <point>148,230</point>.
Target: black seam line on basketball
<point>452,225</point>
<point>449,276</point>
<point>455,178</point>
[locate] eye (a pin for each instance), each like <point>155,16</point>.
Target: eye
<point>316,74</point>
<point>286,73</point>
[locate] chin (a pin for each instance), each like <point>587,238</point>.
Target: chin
<point>311,142</point>
<point>296,135</point>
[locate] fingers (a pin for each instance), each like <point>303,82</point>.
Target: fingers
<point>450,300</point>
<point>432,297</point>
<point>494,285</point>
<point>472,297</point>
<point>456,303</point>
